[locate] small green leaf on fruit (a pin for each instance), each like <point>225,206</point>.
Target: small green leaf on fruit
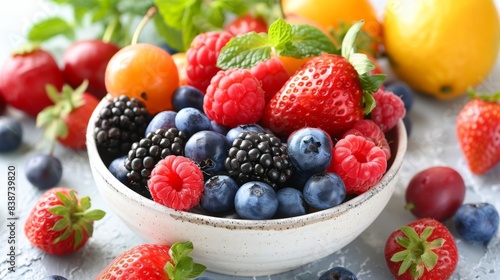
<point>245,51</point>
<point>94,215</point>
<point>348,43</point>
<point>61,224</point>
<point>50,27</point>
<point>369,103</point>
<point>361,63</point>
<point>280,33</point>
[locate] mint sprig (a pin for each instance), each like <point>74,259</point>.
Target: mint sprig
<point>299,41</point>
<point>182,265</point>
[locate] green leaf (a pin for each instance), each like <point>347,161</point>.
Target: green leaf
<point>429,259</point>
<point>173,37</point>
<point>361,63</point>
<point>307,41</point>
<point>197,270</point>
<point>50,27</point>
<point>172,11</point>
<point>181,250</point>
<point>66,201</point>
<point>245,51</point>
<point>59,210</point>
<point>280,33</point>
<point>183,266</point>
<point>237,7</point>
<point>78,236</point>
<point>189,30</point>
<point>85,203</point>
<point>61,224</point>
<point>94,215</point>
<point>348,43</point>
<point>369,102</point>
<point>63,236</point>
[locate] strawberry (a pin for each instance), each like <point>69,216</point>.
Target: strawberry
<point>24,76</point>
<point>60,222</point>
<point>330,92</point>
<point>478,132</point>
<point>67,119</point>
<point>153,261</point>
<point>423,249</point>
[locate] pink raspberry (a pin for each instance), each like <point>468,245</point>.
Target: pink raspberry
<point>359,163</point>
<point>272,74</point>
<point>371,131</point>
<point>388,111</point>
<point>202,58</point>
<point>176,182</point>
<point>245,24</point>
<point>234,97</point>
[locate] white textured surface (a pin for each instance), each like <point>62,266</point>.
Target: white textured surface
<point>432,143</point>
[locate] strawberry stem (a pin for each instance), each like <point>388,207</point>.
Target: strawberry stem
<point>489,97</point>
<point>142,24</point>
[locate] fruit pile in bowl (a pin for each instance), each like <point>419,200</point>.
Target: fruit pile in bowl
<point>247,162</point>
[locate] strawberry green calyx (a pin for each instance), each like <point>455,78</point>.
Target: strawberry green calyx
<point>418,255</point>
<point>298,41</point>
<point>182,265</point>
<point>51,118</point>
<point>75,217</point>
<point>363,65</point>
<point>488,97</point>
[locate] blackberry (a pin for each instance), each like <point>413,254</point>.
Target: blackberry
<point>121,122</point>
<point>259,156</point>
<point>148,151</point>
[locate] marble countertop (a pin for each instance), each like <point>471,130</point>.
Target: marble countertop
<point>432,142</point>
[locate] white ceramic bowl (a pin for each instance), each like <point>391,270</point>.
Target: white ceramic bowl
<point>249,247</point>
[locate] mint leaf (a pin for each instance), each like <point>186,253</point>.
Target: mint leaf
<point>307,41</point>
<point>50,27</point>
<point>280,33</point>
<point>245,51</point>
<point>172,11</point>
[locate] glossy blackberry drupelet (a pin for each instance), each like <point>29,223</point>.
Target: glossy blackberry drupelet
<point>258,156</point>
<point>121,122</point>
<point>148,151</point>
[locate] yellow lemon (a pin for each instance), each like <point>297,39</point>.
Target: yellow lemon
<point>442,47</point>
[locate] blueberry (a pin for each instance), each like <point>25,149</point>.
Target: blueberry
<point>298,180</point>
<point>208,149</point>
<point>234,132</point>
<point>191,120</point>
<point>43,171</point>
<point>220,128</point>
<point>338,273</point>
<point>256,201</point>
<point>165,120</point>
<point>168,48</point>
<point>477,222</point>
<point>218,194</point>
<point>187,96</point>
<point>11,134</point>
<point>402,90</point>
<point>291,203</point>
<point>54,277</point>
<point>310,149</point>
<point>324,190</point>
<point>118,169</point>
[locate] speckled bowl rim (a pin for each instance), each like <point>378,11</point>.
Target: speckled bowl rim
<point>400,142</point>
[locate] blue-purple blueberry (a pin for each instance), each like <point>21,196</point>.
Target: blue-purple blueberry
<point>164,120</point>
<point>256,201</point>
<point>187,96</point>
<point>235,131</point>
<point>11,134</point>
<point>218,194</point>
<point>44,171</point>
<point>310,149</point>
<point>192,120</point>
<point>208,149</point>
<point>404,91</point>
<point>291,203</point>
<point>338,273</point>
<point>324,190</point>
<point>118,169</point>
<point>477,222</point>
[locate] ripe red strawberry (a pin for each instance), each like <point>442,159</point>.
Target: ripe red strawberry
<point>423,249</point>
<point>153,261</point>
<point>202,58</point>
<point>67,119</point>
<point>60,222</point>
<point>23,79</point>
<point>478,132</point>
<point>245,24</point>
<point>234,97</point>
<point>272,75</point>
<point>176,182</point>
<point>358,162</point>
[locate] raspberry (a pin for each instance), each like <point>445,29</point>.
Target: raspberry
<point>389,109</point>
<point>272,74</point>
<point>359,163</point>
<point>176,182</point>
<point>234,97</point>
<point>202,58</point>
<point>245,24</point>
<point>371,131</point>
